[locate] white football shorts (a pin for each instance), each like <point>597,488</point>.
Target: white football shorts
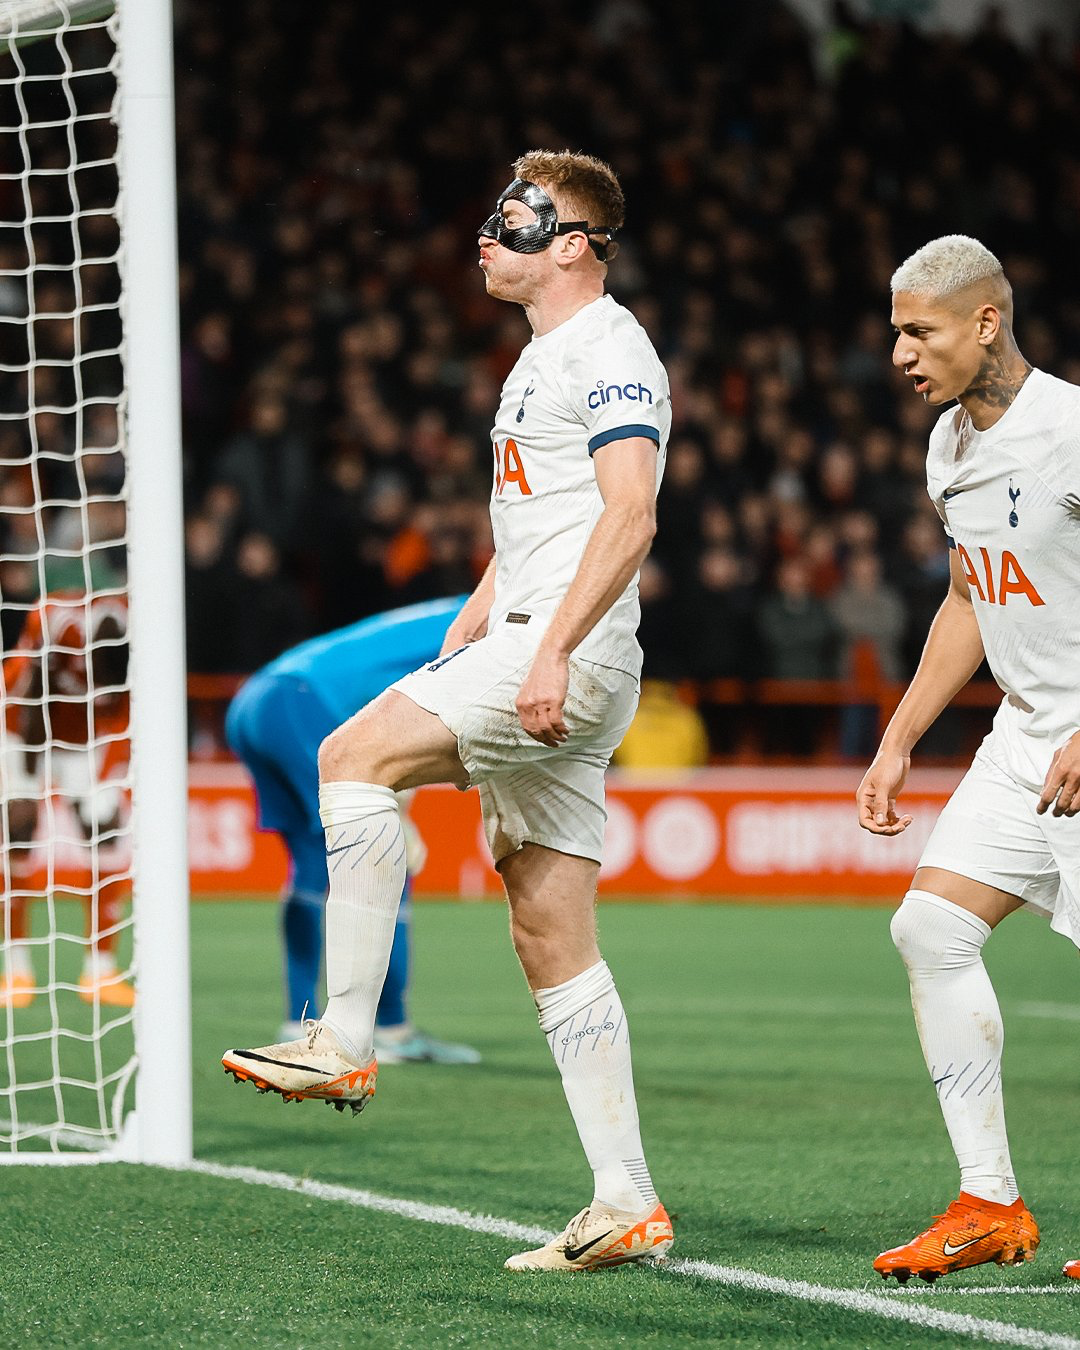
<point>529,793</point>
<point>989,830</point>
<point>76,774</point>
<point>20,781</point>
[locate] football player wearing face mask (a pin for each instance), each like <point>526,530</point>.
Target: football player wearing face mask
<point>535,686</point>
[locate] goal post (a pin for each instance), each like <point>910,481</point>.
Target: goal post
<point>156,572</point>
<point>88,293</point>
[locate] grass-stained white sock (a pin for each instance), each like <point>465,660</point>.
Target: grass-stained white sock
<point>18,964</point>
<point>585,1026</point>
<point>956,1011</point>
<point>365,859</point>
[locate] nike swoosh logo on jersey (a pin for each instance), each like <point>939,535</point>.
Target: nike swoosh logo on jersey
<point>949,493</point>
<point>949,1250</point>
<point>572,1253</point>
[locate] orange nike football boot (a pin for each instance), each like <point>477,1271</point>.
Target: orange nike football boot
<point>1072,1269</point>
<point>16,991</point>
<point>969,1233</point>
<point>111,991</point>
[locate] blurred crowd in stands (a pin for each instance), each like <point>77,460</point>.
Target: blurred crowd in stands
<point>62,474</point>
<point>341,362</point>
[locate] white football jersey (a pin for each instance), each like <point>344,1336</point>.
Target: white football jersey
<point>593,380</point>
<point>1010,500</point>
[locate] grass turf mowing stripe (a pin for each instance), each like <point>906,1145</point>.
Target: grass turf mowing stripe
<point>1062,1012</point>
<point>384,1204</point>
<point>891,1308</point>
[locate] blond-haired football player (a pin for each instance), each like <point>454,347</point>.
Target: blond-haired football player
<point>535,686</point>
<point>1003,471</point>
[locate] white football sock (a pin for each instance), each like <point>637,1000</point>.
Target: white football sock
<point>585,1026</point>
<point>17,959</point>
<point>959,1023</point>
<point>365,858</point>
<point>98,965</point>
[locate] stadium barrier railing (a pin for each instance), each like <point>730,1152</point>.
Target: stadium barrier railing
<point>753,700</point>
<point>746,827</point>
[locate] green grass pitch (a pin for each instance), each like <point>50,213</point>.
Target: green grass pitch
<point>786,1113</point>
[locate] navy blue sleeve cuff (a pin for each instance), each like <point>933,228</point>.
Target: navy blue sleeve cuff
<point>622,434</point>
<point>950,540</point>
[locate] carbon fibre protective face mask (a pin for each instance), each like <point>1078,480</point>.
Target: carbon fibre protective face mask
<point>538,234</point>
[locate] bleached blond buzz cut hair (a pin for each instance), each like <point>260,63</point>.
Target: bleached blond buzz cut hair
<point>944,266</point>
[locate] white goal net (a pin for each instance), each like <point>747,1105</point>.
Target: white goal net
<point>70,985</point>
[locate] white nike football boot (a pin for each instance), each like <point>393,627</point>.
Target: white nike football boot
<point>314,1066</point>
<point>600,1237</point>
<point>407,1045</point>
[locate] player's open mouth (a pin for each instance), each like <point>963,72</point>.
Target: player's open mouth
<point>922,384</point>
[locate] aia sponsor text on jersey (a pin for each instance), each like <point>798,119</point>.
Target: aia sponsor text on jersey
<point>996,578</point>
<point>510,468</point>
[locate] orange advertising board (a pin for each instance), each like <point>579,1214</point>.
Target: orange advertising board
<point>773,833</point>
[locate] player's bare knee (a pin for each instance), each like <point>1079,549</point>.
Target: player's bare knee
<point>22,818</point>
<point>350,755</point>
<point>534,935</point>
<point>524,931</point>
<point>330,756</point>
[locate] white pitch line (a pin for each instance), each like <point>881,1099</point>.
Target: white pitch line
<point>877,1305</point>
<point>851,1300</point>
<point>1070,1291</point>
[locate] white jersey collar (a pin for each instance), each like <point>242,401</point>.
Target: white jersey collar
<point>569,325</point>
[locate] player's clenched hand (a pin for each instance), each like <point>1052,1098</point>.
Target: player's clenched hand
<point>878,792</point>
<point>1061,787</point>
<point>540,699</point>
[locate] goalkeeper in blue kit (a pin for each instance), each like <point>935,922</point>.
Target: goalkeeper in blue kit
<point>275,725</point>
